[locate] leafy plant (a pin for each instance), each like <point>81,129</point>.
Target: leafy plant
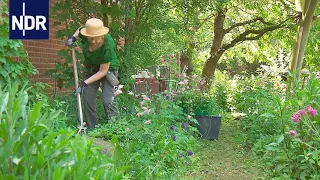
<point>157,139</point>
<point>14,62</point>
<point>282,129</point>
<point>29,149</point>
<point>192,99</point>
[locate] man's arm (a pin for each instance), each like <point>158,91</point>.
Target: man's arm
<point>76,34</point>
<point>100,74</point>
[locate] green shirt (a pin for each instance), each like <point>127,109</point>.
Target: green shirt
<point>104,54</point>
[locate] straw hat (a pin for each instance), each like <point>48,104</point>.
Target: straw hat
<point>94,28</point>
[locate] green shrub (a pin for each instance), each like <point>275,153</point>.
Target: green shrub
<point>30,149</point>
<point>157,139</point>
<point>285,130</point>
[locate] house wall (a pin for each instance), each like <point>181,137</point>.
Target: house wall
<point>43,54</point>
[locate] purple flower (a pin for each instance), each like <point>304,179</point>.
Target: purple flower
<point>168,96</point>
<point>172,127</point>
<point>183,125</point>
<point>174,138</point>
<point>189,153</point>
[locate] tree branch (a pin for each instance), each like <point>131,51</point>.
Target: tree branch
<point>316,19</point>
<point>204,21</point>
<point>245,35</point>
<point>247,23</point>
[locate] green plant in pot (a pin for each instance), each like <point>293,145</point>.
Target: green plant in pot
<point>207,113</point>
<point>201,105</point>
<point>204,104</point>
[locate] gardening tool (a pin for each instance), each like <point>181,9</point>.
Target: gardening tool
<point>75,70</point>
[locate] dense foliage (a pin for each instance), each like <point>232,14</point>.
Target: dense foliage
<point>155,136</point>
<point>32,149</point>
<point>14,62</point>
<point>283,128</point>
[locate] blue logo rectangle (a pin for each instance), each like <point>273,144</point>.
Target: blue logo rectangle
<point>29,19</point>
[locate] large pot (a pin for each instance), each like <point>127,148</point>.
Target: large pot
<point>209,126</point>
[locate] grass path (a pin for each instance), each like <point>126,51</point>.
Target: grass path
<point>224,159</point>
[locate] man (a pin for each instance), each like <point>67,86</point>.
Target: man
<point>100,59</point>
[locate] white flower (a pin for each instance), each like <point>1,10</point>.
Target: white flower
<point>120,86</point>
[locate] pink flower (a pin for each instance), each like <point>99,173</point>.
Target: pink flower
<point>202,82</point>
<point>184,75</point>
<point>140,114</point>
<point>148,121</point>
<point>194,76</point>
<point>302,112</point>
<point>161,60</point>
<point>176,75</point>
<point>117,92</point>
<point>147,111</point>
<point>185,81</point>
<point>144,97</point>
<point>311,111</point>
<point>295,118</point>
<point>293,133</point>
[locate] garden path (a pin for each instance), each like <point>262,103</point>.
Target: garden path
<point>224,159</point>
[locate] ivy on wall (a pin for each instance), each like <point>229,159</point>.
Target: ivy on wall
<point>14,62</point>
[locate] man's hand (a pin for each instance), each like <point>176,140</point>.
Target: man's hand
<point>81,87</point>
<point>71,39</point>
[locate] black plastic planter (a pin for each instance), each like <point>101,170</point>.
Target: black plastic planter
<point>209,126</point>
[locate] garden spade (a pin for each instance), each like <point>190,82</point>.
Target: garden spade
<point>80,115</point>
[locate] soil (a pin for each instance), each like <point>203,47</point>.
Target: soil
<point>106,147</point>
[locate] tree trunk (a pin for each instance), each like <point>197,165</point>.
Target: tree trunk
<point>302,36</point>
<point>186,58</point>
<point>215,51</point>
<point>209,69</point>
<point>185,61</point>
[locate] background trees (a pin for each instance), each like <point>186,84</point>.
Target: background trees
<point>202,34</point>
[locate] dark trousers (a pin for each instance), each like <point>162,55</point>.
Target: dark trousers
<point>90,96</point>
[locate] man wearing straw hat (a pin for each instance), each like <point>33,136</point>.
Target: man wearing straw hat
<point>100,58</point>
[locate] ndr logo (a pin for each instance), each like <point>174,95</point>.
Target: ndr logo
<point>29,19</point>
